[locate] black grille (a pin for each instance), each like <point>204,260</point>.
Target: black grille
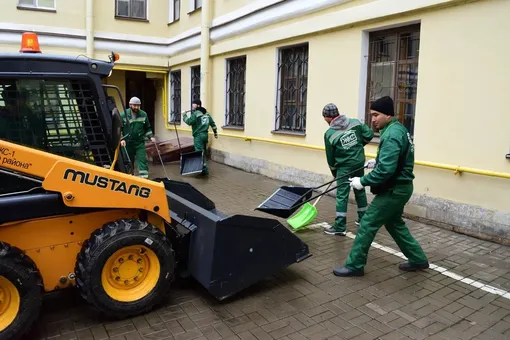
<point>57,116</point>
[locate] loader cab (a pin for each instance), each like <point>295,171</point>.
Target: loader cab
<point>58,104</point>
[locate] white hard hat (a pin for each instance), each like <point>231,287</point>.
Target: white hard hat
<point>135,101</point>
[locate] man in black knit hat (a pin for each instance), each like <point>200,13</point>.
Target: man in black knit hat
<point>391,181</point>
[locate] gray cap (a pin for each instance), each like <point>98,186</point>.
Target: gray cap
<point>330,110</point>
<point>135,101</point>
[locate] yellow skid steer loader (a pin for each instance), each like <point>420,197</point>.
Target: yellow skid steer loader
<point>72,217</point>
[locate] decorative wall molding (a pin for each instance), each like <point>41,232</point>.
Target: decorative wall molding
<point>283,11</point>
<point>250,17</point>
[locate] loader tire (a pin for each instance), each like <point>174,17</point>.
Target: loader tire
<point>125,268</point>
<point>21,292</point>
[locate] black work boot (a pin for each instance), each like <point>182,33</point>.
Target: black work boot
<point>344,272</point>
<point>409,267</point>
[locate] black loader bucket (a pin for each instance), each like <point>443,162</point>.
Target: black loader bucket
<point>285,201</point>
<point>192,162</point>
<point>227,254</point>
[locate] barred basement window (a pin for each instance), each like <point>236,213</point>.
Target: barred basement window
<point>235,94</point>
<point>175,100</point>
<point>195,82</point>
<point>132,9</point>
<point>393,71</point>
<point>58,116</point>
<point>292,88</point>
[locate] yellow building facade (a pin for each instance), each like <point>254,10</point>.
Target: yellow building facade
<point>265,69</point>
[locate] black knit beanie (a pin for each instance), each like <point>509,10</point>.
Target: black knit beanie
<point>383,105</point>
<point>330,110</point>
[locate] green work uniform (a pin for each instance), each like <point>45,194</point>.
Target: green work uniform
<point>344,142</point>
<point>392,183</point>
<point>200,122</point>
<point>135,142</point>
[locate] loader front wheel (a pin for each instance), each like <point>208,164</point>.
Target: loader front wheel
<point>21,290</point>
<point>125,268</point>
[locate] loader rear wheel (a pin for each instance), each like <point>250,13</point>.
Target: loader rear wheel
<point>21,292</point>
<point>125,268</point>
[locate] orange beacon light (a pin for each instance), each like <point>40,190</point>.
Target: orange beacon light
<point>30,43</point>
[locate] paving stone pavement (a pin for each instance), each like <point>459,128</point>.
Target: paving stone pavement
<point>305,301</point>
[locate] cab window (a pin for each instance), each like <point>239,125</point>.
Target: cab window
<point>57,116</point>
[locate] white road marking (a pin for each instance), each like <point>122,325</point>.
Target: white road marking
<point>442,270</point>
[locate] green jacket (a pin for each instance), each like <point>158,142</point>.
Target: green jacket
<point>140,126</point>
<point>200,122</point>
<point>344,142</point>
<point>395,159</point>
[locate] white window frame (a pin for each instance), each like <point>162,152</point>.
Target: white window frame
<point>36,5</point>
<point>147,6</point>
<point>172,17</point>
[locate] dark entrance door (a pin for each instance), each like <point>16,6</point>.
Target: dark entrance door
<point>137,85</point>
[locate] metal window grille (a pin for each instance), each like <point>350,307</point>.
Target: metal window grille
<point>393,71</point>
<point>135,9</point>
<point>236,89</point>
<point>175,99</point>
<point>292,88</point>
<point>195,82</point>
<point>57,116</point>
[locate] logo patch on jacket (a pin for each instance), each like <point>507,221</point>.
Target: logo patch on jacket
<point>348,139</point>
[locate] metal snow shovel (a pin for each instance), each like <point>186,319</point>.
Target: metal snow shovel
<point>287,199</point>
<point>191,162</point>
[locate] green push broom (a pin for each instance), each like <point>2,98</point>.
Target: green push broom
<point>306,214</point>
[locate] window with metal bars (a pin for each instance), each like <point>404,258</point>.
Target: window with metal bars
<point>133,9</point>
<point>292,88</point>
<point>393,71</point>
<point>235,91</point>
<point>195,82</point>
<point>57,116</point>
<point>175,97</point>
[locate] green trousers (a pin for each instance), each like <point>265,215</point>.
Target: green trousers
<point>200,144</point>
<point>136,151</point>
<point>342,198</point>
<point>386,209</point>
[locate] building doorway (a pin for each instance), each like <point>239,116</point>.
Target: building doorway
<point>138,85</point>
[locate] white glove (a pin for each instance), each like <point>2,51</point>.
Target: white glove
<point>356,183</point>
<point>370,164</point>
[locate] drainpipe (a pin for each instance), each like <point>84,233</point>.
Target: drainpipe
<point>204,51</point>
<point>89,27</point>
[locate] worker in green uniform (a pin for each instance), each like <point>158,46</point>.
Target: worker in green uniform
<point>391,181</point>
<point>344,142</point>
<point>200,120</point>
<point>140,132</point>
